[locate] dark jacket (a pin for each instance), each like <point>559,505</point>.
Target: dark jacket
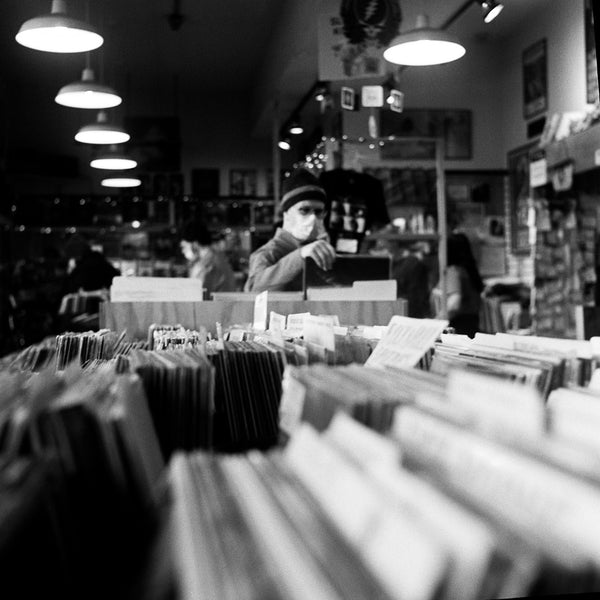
<point>276,266</point>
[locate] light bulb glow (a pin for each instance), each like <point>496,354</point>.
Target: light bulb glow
<point>88,99</point>
<point>101,133</point>
<point>284,144</point>
<point>113,163</point>
<point>121,182</point>
<point>492,13</point>
<point>424,52</point>
<point>296,129</point>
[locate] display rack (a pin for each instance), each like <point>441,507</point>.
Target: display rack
<point>435,160</point>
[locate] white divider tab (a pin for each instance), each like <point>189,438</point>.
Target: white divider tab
<point>295,322</point>
<point>319,330</point>
<point>406,341</point>
<point>292,402</point>
<point>495,404</point>
<point>276,321</point>
<point>260,311</point>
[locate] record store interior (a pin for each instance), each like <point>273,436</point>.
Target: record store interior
<point>299,300</point>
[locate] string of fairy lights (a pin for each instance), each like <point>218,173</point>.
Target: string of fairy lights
<point>317,159</point>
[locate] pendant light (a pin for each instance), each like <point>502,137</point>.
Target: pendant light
<point>295,127</point>
<point>121,182</point>
<point>102,132</point>
<point>284,143</point>
<point>87,93</point>
<point>424,45</point>
<point>57,32</point>
<point>113,160</point>
<point>491,9</point>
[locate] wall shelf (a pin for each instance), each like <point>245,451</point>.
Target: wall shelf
<point>580,148</point>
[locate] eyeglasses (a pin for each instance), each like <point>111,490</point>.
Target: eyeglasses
<point>309,210</point>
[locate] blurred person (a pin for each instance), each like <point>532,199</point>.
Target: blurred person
<point>205,261</point>
<point>412,276</point>
<point>463,286</point>
<point>92,271</point>
<point>278,265</point>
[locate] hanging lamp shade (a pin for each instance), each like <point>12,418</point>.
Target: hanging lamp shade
<point>121,182</point>
<point>102,132</point>
<point>58,32</point>
<point>295,127</point>
<point>491,9</point>
<point>113,160</point>
<point>424,45</point>
<point>284,143</point>
<point>87,93</point>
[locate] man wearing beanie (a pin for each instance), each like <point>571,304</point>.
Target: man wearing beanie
<point>278,264</point>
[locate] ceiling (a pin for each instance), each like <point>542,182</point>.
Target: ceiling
<point>221,47</point>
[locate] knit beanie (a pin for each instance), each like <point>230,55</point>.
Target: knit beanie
<point>300,185</point>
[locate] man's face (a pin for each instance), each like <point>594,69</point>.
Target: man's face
<point>304,220</point>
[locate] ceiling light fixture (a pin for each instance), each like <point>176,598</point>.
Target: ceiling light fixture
<point>284,144</point>
<point>121,182</point>
<point>424,45</point>
<point>491,9</point>
<point>295,128</point>
<point>57,32</point>
<point>102,132</point>
<point>113,160</point>
<point>87,93</point>
<point>321,93</point>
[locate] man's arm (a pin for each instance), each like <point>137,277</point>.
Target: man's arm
<point>264,275</point>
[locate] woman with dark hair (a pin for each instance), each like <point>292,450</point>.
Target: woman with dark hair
<point>463,286</point>
<point>205,261</point>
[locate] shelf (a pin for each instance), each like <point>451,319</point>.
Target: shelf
<point>580,148</point>
<point>403,237</point>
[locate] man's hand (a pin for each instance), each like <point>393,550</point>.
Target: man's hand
<point>321,252</point>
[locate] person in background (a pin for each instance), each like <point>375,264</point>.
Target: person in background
<point>92,271</point>
<point>205,262</point>
<point>278,265</point>
<point>412,276</point>
<point>463,286</point>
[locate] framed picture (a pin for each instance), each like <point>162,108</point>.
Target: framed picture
<point>518,161</point>
<point>535,80</point>
<point>242,182</point>
<point>347,98</point>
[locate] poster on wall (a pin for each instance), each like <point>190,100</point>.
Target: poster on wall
<point>591,69</point>
<point>353,35</point>
<point>535,80</point>
<point>518,163</point>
